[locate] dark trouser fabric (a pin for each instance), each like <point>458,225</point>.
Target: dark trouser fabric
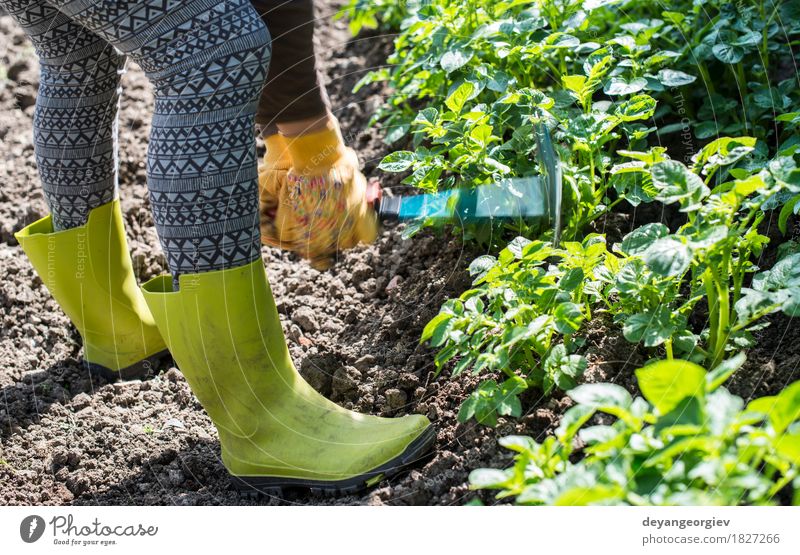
<point>207,61</point>
<point>294,89</point>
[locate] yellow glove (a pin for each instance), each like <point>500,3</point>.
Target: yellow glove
<point>313,196</point>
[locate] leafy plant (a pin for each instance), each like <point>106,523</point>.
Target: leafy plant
<point>520,320</point>
<point>662,276</point>
<point>481,71</point>
<point>629,91</point>
<point>610,79</point>
<point>371,14</point>
<point>686,441</point>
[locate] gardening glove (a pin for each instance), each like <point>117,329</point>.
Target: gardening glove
<point>319,204</point>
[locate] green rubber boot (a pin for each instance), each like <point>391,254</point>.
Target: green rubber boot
<point>275,430</point>
<point>88,271</point>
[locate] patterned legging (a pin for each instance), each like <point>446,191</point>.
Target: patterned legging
<point>207,61</point>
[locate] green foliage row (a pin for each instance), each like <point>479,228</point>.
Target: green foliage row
<point>523,316</point>
<point>687,441</point>
<point>483,73</point>
<point>487,72</point>
<point>693,105</point>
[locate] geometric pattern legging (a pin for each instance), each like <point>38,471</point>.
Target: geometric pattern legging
<point>207,61</point>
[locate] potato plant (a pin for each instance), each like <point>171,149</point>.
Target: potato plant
<point>686,441</point>
<point>483,72</point>
<point>660,277</point>
<point>691,104</point>
<point>524,316</point>
<point>520,320</point>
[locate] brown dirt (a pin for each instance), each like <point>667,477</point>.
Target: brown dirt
<point>67,438</point>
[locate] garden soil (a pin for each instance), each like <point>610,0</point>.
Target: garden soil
<point>69,438</point>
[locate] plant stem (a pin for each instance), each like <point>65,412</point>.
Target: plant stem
<point>779,485</point>
<point>722,285</point>
<point>713,317</point>
<point>706,78</point>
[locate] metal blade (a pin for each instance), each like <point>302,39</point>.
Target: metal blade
<point>535,198</point>
<point>518,197</point>
<point>550,168</point>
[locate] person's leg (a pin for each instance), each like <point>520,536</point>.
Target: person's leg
<point>79,250</point>
<point>207,61</point>
<point>76,107</point>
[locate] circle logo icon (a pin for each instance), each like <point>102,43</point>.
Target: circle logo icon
<point>31,528</point>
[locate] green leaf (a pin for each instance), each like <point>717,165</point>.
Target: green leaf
<point>397,161</point>
<point>509,406</point>
<point>462,365</point>
<point>684,341</point>
<point>728,53</point>
<point>395,133</point>
<point>782,409</point>
<point>439,320</point>
<point>590,495</point>
<point>574,83</point>
<point>601,395</point>
<point>789,447</point>
<point>784,274</point>
<point>749,38</point>
<point>517,246</point>
<point>778,286</point>
<point>459,97</point>
<point>640,239</point>
<point>786,212</point>
<point>499,82</point>
<point>427,116</point>
<point>439,335</point>
<point>489,478</point>
<point>675,183</point>
<point>708,236</point>
<point>568,318</point>
<point>474,304</point>
<point>481,265</point>
<point>558,361</point>
<point>481,134</point>
<point>520,444</point>
<point>674,78</point>
<point>454,59</point>
<point>652,328</point>
<point>633,278</point>
<point>571,279</point>
<point>725,151</point>
<point>636,108</point>
<point>562,40</point>
<point>571,422</point>
<point>667,382</point>
<point>618,86</point>
<point>468,407</point>
<point>591,435</point>
<point>752,304</point>
<point>668,257</point>
<point>725,370</point>
<point>686,418</point>
<point>723,411</point>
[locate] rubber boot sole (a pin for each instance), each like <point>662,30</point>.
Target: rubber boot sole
<point>137,371</point>
<point>260,486</point>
